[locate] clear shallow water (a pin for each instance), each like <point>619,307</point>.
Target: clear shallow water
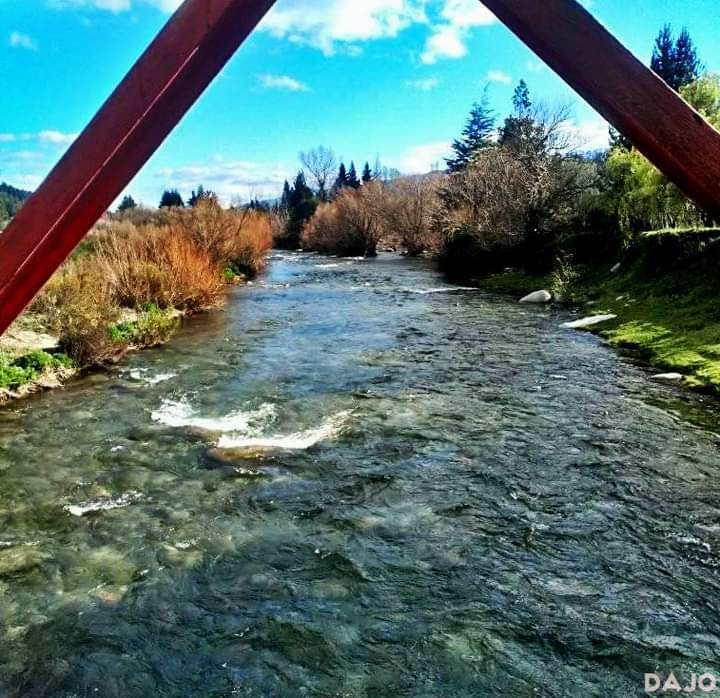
<point>421,491</point>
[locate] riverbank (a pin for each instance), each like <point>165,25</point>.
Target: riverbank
<point>126,288</point>
<point>664,294</point>
<point>32,360</point>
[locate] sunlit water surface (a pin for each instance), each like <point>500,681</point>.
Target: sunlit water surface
<point>359,480</point>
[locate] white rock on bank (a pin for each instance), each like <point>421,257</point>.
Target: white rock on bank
<point>668,377</point>
<point>587,322</point>
<point>537,297</point>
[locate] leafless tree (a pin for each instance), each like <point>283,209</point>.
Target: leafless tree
<point>321,164</point>
<point>410,203</point>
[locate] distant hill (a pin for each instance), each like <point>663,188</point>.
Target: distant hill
<point>11,199</point>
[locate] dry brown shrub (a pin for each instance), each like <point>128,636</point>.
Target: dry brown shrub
<point>79,306</point>
<point>350,226</point>
<point>409,207</point>
<point>162,266</point>
<point>239,239</point>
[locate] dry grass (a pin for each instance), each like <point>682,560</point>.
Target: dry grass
<point>79,306</point>
<point>148,263</point>
<point>160,266</point>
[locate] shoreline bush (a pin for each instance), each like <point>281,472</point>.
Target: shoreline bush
<point>158,265</point>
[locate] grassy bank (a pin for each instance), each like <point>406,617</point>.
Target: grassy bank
<point>664,292</point>
<point>126,288</point>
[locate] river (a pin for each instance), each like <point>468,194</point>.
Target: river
<point>359,480</point>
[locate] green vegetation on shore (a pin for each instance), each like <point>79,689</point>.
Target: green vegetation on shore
<point>664,293</point>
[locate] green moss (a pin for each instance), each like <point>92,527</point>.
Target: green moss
<point>514,282</point>
<point>154,326</point>
<point>668,312</point>
<point>15,372</point>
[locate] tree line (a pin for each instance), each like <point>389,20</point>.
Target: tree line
<point>516,191</point>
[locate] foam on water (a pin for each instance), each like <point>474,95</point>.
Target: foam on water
<point>142,375</point>
<point>299,441</point>
<point>180,413</point>
<point>106,504</point>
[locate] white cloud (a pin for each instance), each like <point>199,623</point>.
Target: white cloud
<point>423,158</point>
<point>326,23</point>
<point>342,25</point>
<point>449,36</point>
<point>20,40</point>
<point>425,85</point>
<point>282,82</point>
<point>56,137</point>
<point>110,5</point>
<point>49,136</point>
<point>499,76</point>
<point>588,135</point>
<point>230,180</point>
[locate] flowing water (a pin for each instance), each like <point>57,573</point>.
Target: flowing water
<point>359,480</point>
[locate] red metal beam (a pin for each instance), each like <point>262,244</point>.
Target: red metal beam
<point>169,77</point>
<point>668,131</point>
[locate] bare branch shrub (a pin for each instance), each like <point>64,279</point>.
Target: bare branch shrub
<point>350,226</point>
<point>409,204</point>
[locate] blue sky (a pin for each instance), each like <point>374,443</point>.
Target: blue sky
<point>393,78</point>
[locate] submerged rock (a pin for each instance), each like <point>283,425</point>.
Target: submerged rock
<point>20,559</point>
<point>538,297</point>
<point>587,322</point>
<point>230,458</point>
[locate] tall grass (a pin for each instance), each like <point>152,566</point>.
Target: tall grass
<point>149,264</point>
<point>79,306</point>
<point>158,265</point>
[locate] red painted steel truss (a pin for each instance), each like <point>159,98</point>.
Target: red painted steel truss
<point>202,36</point>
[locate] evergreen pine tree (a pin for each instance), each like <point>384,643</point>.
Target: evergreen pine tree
<point>519,131</point>
<point>301,207</point>
<point>171,198</point>
<point>521,99</point>
<point>352,178</point>
<point>342,179</point>
<point>285,199</point>
<point>477,134</point>
<point>126,204</point>
<point>687,63</point>
<point>663,57</point>
<point>367,174</point>
<point>676,62</point>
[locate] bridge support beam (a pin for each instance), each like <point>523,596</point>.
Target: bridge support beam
<point>165,82</point>
<point>639,104</point>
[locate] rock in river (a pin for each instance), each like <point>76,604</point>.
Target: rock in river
<point>23,558</point>
<point>670,377</point>
<point>538,297</point>
<point>587,322</point>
